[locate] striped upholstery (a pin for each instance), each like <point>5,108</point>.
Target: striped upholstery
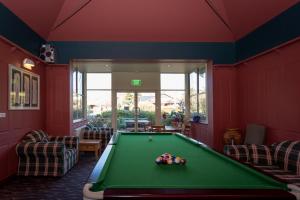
<point>287,156</point>
<point>102,134</point>
<point>281,160</point>
<point>239,152</point>
<point>51,156</point>
<point>286,176</point>
<point>260,154</point>
<point>69,141</point>
<point>35,136</point>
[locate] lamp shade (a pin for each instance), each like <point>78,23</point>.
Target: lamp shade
<point>28,63</point>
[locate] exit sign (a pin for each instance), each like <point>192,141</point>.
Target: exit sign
<point>136,82</point>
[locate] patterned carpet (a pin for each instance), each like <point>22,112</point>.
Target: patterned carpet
<point>43,188</point>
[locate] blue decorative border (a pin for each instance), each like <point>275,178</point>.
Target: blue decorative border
<point>218,52</point>
<point>278,30</point>
<point>15,30</point>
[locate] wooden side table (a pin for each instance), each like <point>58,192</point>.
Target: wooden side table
<point>90,145</point>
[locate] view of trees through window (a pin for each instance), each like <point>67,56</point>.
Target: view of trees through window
<point>198,100</point>
<point>172,98</point>
<point>99,112</point>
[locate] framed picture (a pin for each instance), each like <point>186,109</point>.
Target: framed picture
<point>35,95</point>
<point>26,90</point>
<point>14,88</point>
<point>23,89</point>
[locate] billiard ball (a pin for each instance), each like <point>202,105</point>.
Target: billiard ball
<point>158,160</point>
<point>183,161</point>
<point>177,160</point>
<point>150,138</point>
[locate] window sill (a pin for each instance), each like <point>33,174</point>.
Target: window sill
<point>78,120</point>
<point>205,122</point>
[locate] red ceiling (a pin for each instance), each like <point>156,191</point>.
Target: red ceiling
<point>147,20</point>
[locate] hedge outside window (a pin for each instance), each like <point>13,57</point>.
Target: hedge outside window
<point>172,98</point>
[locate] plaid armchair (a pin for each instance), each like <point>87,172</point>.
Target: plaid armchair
<point>43,155</point>
<point>97,133</point>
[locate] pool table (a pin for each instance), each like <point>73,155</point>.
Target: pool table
<point>127,169</point>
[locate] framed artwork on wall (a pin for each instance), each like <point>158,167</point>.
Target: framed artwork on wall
<point>23,89</point>
<point>35,95</point>
<point>26,89</point>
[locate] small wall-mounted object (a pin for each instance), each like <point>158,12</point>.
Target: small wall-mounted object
<point>2,115</point>
<point>136,83</point>
<point>47,53</point>
<point>28,63</point>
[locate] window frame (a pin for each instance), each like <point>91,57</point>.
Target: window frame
<point>197,71</point>
<point>100,90</point>
<point>75,93</point>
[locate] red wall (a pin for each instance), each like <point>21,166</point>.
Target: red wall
<point>224,102</point>
<point>16,123</point>
<point>59,120</point>
<point>269,92</point>
<point>58,111</point>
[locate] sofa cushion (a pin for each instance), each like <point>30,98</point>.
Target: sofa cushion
<point>35,136</point>
<point>101,133</point>
<point>260,154</point>
<point>239,152</point>
<point>287,155</point>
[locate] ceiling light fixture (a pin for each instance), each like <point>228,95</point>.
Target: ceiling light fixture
<point>28,63</point>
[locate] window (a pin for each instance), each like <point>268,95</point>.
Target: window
<point>198,99</point>
<point>172,98</point>
<point>99,112</point>
<point>78,108</point>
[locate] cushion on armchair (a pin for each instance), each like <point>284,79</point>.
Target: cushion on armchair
<point>69,141</point>
<point>287,155</point>
<point>260,154</point>
<point>35,136</point>
<point>239,152</point>
<point>41,149</point>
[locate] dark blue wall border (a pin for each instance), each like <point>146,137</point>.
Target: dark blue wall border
<point>218,52</point>
<point>278,30</point>
<point>15,30</point>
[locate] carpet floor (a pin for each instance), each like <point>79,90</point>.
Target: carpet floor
<point>43,188</point>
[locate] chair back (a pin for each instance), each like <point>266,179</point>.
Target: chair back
<point>255,134</point>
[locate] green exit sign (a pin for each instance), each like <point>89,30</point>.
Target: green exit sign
<point>136,82</point>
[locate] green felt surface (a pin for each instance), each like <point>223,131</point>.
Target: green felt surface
<point>132,165</point>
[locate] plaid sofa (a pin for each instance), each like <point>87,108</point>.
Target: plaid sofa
<point>280,160</point>
<point>43,155</point>
<point>97,133</point>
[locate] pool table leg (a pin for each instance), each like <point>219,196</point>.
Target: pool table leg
<point>89,195</point>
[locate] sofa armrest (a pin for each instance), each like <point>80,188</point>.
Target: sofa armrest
<point>41,149</point>
<point>69,141</point>
<point>239,152</point>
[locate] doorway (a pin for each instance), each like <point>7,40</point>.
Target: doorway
<point>135,110</point>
